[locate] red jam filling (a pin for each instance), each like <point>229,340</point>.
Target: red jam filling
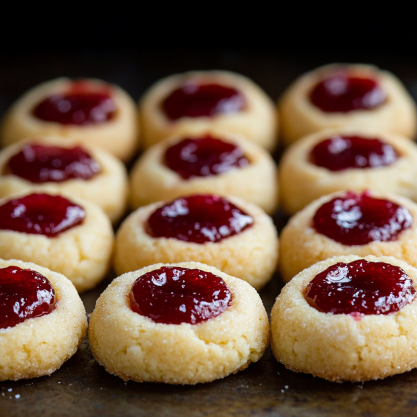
<point>203,157</point>
<point>202,100</point>
<point>38,163</point>
<point>198,219</point>
<point>341,93</point>
<point>174,295</point>
<point>24,294</point>
<point>345,152</point>
<point>358,219</point>
<point>40,214</point>
<point>81,105</point>
<point>360,287</point>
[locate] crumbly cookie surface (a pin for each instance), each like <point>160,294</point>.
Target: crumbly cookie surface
<point>108,189</point>
<point>152,180</point>
<point>39,346</point>
<point>118,136</point>
<point>136,348</point>
<point>299,117</point>
<point>82,253</point>
<point>301,181</point>
<point>339,347</point>
<point>301,246</point>
<point>258,122</point>
<point>251,255</point>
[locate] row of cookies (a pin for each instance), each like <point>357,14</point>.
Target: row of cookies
<point>179,323</point>
<point>316,165</point>
<point>101,114</point>
<point>74,237</point>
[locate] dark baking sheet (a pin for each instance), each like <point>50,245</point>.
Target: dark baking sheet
<point>81,387</point>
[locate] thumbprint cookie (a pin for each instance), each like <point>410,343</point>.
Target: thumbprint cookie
<point>89,111</point>
<point>348,319</point>
<point>228,233</point>
<point>205,163</point>
<point>42,320</point>
<point>342,95</point>
<point>197,101</point>
<point>184,323</point>
<point>348,158</point>
<point>59,166</point>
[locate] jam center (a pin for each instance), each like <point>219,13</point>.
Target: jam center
<point>174,295</point>
<point>24,294</point>
<point>198,219</point>
<point>81,105</point>
<point>345,152</point>
<point>40,214</point>
<point>358,219</point>
<point>202,100</point>
<point>38,163</point>
<point>360,287</point>
<point>341,93</point>
<point>202,157</point>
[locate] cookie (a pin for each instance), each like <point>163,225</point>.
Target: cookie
<point>348,158</point>
<point>70,236</point>
<point>37,338</point>
<point>349,223</point>
<point>194,102</point>
<point>89,111</point>
<point>61,166</point>
<point>230,234</point>
<point>204,326</point>
<point>342,95</point>
<point>214,163</point>
<point>348,319</point>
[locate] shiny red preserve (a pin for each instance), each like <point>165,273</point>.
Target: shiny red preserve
<point>198,219</point>
<point>174,295</point>
<point>342,93</point>
<point>24,294</point>
<point>202,100</point>
<point>360,287</point>
<point>40,214</point>
<point>358,219</point>
<point>81,105</point>
<point>39,163</point>
<point>203,157</point>
<point>339,153</point>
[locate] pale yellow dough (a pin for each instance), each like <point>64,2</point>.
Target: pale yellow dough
<point>299,117</point>
<point>152,180</point>
<point>258,122</point>
<point>251,255</point>
<point>336,346</point>
<point>82,253</point>
<point>40,345</point>
<point>301,246</point>
<point>118,136</point>
<point>108,189</point>
<point>134,347</point>
<point>301,181</point>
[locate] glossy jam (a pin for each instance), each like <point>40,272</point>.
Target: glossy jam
<point>360,287</point>
<point>198,219</point>
<point>174,295</point>
<point>339,153</point>
<point>81,105</point>
<point>202,100</point>
<point>358,219</point>
<point>203,157</point>
<point>40,214</point>
<point>341,93</point>
<point>24,294</point>
<point>38,163</point>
